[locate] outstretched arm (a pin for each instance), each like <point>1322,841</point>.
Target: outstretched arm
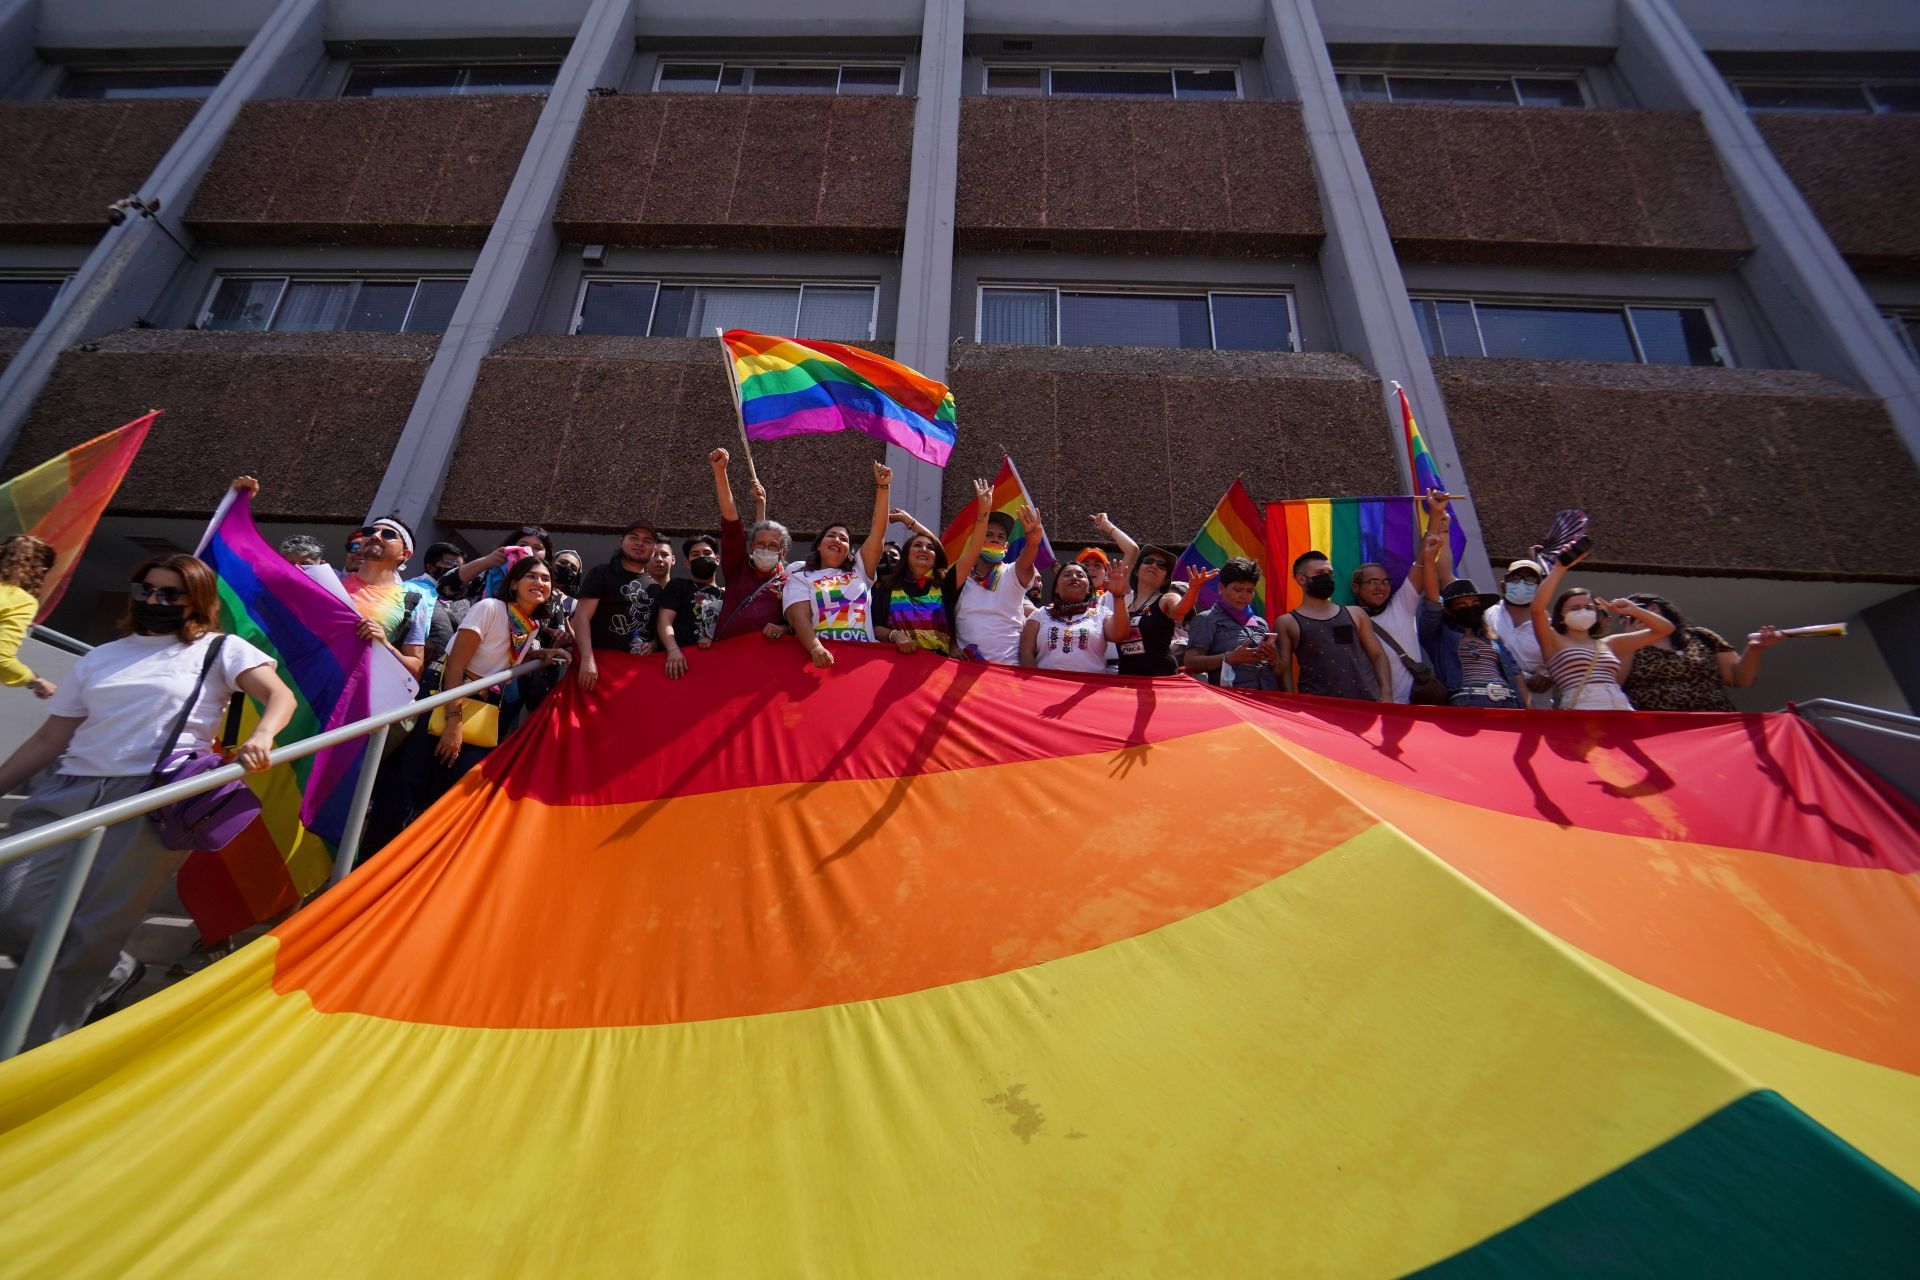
<point>1182,606</point>
<point>877,528</point>
<point>1550,640</point>
<point>1129,549</point>
<point>1652,627</point>
<point>1439,522</point>
<point>977,536</point>
<point>722,488</point>
<point>1023,567</point>
<point>759,492</point>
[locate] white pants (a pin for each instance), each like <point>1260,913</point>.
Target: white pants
<point>131,868</point>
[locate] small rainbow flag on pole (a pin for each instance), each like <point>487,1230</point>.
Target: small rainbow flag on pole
<point>1009,495</point>
<point>791,387</point>
<point>60,501</point>
<point>336,677</point>
<point>1236,528</point>
<point>1350,532</point>
<point>1420,464</point>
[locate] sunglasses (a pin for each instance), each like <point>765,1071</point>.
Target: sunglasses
<point>1154,562</point>
<point>146,593</point>
<point>385,535</point>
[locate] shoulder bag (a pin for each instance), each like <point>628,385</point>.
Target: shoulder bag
<point>212,819</point>
<point>1427,690</point>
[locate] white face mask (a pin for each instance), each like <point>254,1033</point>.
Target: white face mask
<point>1580,619</point>
<point>766,561</point>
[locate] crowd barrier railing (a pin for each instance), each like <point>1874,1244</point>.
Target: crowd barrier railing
<point>30,981</point>
<point>1886,742</point>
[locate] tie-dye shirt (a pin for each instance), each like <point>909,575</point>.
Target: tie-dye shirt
<point>842,600</point>
<point>386,605</point>
<point>922,608</point>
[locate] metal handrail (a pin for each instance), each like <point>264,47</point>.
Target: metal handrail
<point>1878,719</point>
<point>31,978</point>
<point>59,640</point>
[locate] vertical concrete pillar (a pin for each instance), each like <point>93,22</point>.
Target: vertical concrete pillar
<point>132,264</point>
<point>924,328</point>
<point>504,290</point>
<point>1806,288</point>
<point>1365,289</point>
<point>19,20</point>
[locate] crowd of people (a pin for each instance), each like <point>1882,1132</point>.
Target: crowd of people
<point>1434,638</point>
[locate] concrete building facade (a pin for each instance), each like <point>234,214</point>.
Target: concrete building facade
<point>1659,259</point>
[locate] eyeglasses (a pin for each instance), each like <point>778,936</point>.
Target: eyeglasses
<point>1376,582</point>
<point>146,593</point>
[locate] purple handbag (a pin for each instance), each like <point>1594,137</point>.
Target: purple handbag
<point>212,819</point>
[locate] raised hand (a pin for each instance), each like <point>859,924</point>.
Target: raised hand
<point>1101,522</point>
<point>755,490</point>
<point>1200,577</point>
<point>1437,501</point>
<point>1030,517</point>
<point>246,484</point>
<point>882,474</point>
<point>983,492</point>
<point>901,516</point>
<point>1430,546</point>
<point>719,459</point>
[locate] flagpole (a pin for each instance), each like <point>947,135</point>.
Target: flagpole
<point>733,389</point>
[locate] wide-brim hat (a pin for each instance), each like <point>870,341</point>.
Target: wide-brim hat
<point>1461,589</point>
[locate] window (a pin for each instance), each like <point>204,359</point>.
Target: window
<point>1636,334</point>
<point>1829,97</point>
<point>1090,318</point>
<point>1482,90</point>
<point>1195,83</point>
<point>414,82</point>
<point>777,77</point>
<point>177,83</point>
<point>408,304</point>
<point>1906,328</point>
<point>24,299</point>
<point>670,309</point>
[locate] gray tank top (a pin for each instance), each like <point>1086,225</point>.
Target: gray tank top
<point>1332,662</point>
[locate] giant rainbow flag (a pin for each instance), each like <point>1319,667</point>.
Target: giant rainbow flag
<point>1236,528</point>
<point>796,387</point>
<point>1008,497</point>
<point>887,971</point>
<point>337,678</point>
<point>1350,532</point>
<point>61,500</point>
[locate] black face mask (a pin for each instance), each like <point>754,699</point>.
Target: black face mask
<point>1320,586</point>
<point>703,568</point>
<point>565,578</point>
<point>1467,619</point>
<point>154,619</point>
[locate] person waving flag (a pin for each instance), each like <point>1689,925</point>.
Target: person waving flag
<point>794,387</point>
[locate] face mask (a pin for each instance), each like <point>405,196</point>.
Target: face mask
<point>1580,619</point>
<point>565,578</point>
<point>766,561</point>
<point>993,555</point>
<point>157,619</point>
<point>703,567</point>
<point>1467,619</point>
<point>1522,592</point>
<point>1320,586</point>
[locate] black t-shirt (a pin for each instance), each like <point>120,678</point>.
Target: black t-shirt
<point>623,614</point>
<point>696,609</point>
<point>1148,648</point>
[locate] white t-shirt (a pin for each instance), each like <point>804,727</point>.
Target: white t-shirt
<point>126,694</point>
<point>987,623</point>
<point>1514,625</point>
<point>1079,645</point>
<point>1401,620</point>
<point>842,599</point>
<point>489,620</point>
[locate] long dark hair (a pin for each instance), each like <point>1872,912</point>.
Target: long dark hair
<point>521,568</point>
<point>903,573</point>
<point>853,548</point>
<point>1682,632</point>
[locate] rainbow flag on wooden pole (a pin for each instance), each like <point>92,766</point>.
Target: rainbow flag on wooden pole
<point>309,627</point>
<point>1424,475</point>
<point>1009,495</point>
<point>1236,528</point>
<point>794,387</point>
<point>1350,532</point>
<point>61,500</point>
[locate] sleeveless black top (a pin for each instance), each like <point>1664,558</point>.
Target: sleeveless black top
<point>1148,648</point>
